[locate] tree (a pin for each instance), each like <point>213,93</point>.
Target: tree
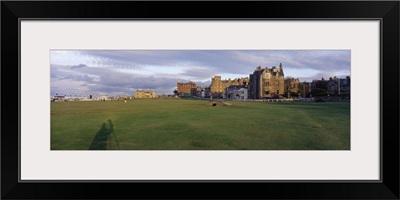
<point>317,92</point>
<point>287,91</point>
<point>321,84</point>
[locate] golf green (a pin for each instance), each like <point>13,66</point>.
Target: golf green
<point>189,124</point>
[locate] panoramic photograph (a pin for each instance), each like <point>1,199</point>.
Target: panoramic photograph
<point>200,99</point>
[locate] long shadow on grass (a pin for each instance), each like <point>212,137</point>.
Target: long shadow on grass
<point>104,138</point>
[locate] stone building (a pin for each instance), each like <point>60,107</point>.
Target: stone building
<point>123,97</point>
<point>59,98</point>
<point>321,84</point>
<point>266,83</point>
<point>338,86</point>
<point>236,92</point>
<point>292,85</point>
<point>319,87</point>
<point>205,92</point>
<point>186,89</point>
<point>218,86</point>
<point>196,92</point>
<point>103,97</point>
<point>145,94</point>
<point>304,89</point>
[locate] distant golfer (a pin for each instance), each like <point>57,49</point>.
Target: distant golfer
<point>125,100</point>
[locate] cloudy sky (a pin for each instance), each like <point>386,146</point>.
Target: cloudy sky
<point>121,72</point>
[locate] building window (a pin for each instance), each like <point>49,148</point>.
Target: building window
<point>267,92</point>
<point>277,92</point>
<point>266,84</point>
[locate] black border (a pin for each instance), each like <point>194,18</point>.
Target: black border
<point>196,180</point>
<point>387,11</point>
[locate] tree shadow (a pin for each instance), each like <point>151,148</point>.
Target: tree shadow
<point>105,138</point>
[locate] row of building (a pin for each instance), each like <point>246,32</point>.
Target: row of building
<point>139,94</point>
<point>261,84</point>
<point>265,83</point>
<point>145,94</point>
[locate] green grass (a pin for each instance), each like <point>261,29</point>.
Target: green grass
<point>185,124</point>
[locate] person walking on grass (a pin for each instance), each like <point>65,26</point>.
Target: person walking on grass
<point>125,100</point>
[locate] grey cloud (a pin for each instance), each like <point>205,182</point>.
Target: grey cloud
<point>198,73</point>
<point>105,80</point>
<point>196,65</point>
<point>78,66</point>
<point>235,62</point>
<point>203,83</point>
